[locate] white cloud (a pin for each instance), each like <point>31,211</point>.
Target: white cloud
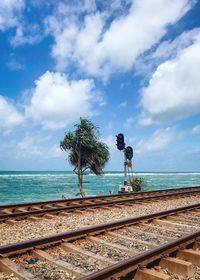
<point>28,146</point>
<point>15,63</point>
<point>57,102</point>
<point>55,152</point>
<point>26,34</point>
<point>9,116</point>
<point>173,92</point>
<point>170,48</point>
<point>74,43</point>
<point>110,141</point>
<point>54,103</point>
<point>196,129</point>
<point>129,122</point>
<point>12,16</point>
<point>10,12</point>
<point>159,140</point>
<point>100,48</point>
<point>34,143</point>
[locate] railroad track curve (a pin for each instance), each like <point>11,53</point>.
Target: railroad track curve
<point>162,245</point>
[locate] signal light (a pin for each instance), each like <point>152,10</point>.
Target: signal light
<point>120,141</point>
<point>129,152</point>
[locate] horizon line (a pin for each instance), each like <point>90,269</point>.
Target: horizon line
<point>121,171</point>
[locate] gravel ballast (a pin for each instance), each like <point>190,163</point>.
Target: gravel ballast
<point>4,276</point>
<point>83,262</point>
<point>25,229</point>
<point>104,250</point>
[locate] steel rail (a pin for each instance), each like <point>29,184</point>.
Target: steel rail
<point>56,210</point>
<point>24,246</point>
<point>132,264</point>
<point>29,204</point>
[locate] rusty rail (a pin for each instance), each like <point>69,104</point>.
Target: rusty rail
<point>27,245</point>
<point>29,204</point>
<point>69,208</point>
<point>132,264</point>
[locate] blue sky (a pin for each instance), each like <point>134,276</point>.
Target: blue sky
<point>130,66</point>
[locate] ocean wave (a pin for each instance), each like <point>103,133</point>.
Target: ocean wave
<point>37,175</point>
<point>167,174</point>
<point>108,175</point>
<point>149,174</point>
<point>93,175</point>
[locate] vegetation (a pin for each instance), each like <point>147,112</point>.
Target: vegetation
<point>86,152</point>
<point>137,183</point>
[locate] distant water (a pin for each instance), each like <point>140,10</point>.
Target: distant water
<point>18,187</point>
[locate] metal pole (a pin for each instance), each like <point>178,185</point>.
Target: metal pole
<point>125,172</point>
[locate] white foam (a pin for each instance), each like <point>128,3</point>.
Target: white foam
<point>38,175</point>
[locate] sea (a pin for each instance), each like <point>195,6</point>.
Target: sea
<point>29,186</point>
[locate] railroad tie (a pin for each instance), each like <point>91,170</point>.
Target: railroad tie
<point>156,226</point>
<point>196,210</point>
<point>34,219</point>
<point>150,274</point>
<point>139,203</point>
<point>23,210</point>
<point>48,207</point>
<point>78,212</point>
<point>35,208</point>
<point>196,246</point>
<point>128,204</point>
<point>11,222</point>
<point>89,210</point>
<point>64,214</point>
<point>110,244</point>
<point>177,266</point>
<point>42,255</point>
<point>9,267</point>
<point>175,219</point>
<point>7,211</point>
<point>77,249</point>
<point>152,234</point>
<point>98,200</point>
<point>183,219</point>
<point>130,239</point>
<point>166,223</point>
<point>189,255</point>
<point>48,216</point>
<point>117,206</point>
<point>60,205</point>
<point>74,203</point>
<point>88,202</point>
<point>106,208</point>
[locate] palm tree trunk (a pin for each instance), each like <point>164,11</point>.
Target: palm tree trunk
<point>81,185</point>
<point>80,176</point>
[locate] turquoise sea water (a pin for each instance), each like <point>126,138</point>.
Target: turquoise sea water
<point>21,186</point>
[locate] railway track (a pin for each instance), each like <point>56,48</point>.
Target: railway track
<point>63,207</point>
<point>155,246</point>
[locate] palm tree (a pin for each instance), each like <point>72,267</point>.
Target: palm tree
<point>86,151</point>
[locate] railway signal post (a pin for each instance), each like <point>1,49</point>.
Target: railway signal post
<point>121,147</point>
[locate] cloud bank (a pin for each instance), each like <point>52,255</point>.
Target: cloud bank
<point>100,48</point>
<point>54,103</point>
<point>173,92</point>
<point>9,115</point>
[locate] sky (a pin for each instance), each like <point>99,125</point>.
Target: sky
<point>131,67</point>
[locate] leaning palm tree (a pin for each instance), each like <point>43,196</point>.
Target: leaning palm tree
<point>86,151</point>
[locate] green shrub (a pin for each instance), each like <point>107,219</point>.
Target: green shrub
<point>137,183</point>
